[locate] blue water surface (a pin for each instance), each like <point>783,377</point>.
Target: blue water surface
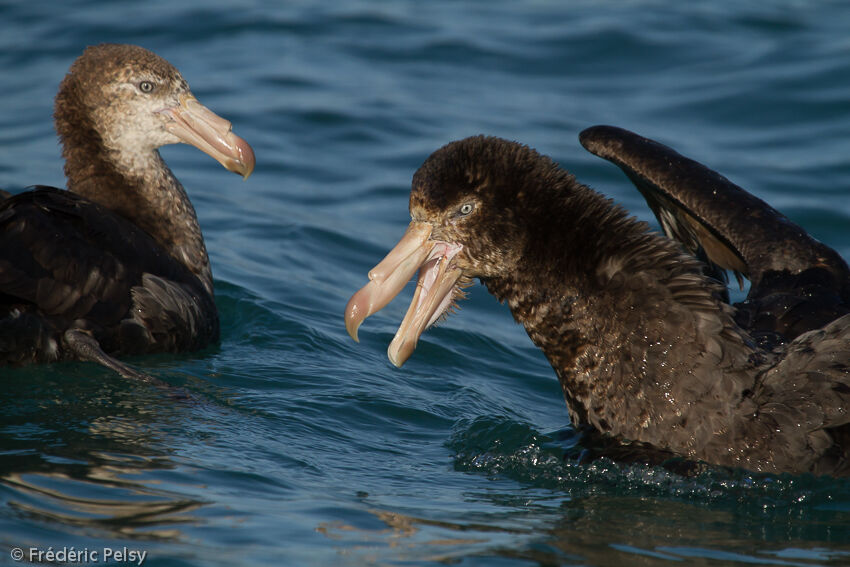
<point>301,447</point>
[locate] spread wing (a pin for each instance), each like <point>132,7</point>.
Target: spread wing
<point>798,283</point>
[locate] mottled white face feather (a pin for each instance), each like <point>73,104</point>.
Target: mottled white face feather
<point>130,111</point>
<point>125,101</point>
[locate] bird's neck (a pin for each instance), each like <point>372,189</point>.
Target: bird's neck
<point>623,316</point>
<point>140,187</point>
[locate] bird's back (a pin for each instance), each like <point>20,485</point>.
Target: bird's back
<point>66,262</point>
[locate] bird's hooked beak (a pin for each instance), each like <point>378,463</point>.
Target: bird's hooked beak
<point>435,289</point>
<point>197,125</point>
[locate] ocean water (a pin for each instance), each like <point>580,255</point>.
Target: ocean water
<point>302,447</point>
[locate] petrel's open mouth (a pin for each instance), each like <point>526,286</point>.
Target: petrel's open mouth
<point>436,289</point>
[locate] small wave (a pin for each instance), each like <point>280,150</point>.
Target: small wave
<point>505,448</point>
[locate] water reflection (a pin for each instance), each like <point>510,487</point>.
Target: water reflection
<point>411,538</point>
<point>84,451</point>
<point>536,506</point>
<point>649,532</point>
<point>51,497</point>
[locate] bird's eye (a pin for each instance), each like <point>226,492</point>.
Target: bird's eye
<point>465,209</point>
<point>146,87</point>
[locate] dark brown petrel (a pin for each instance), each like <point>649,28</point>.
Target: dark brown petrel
<point>646,348</point>
<point>116,264</point>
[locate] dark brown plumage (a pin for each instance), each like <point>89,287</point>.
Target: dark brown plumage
<point>645,346</point>
<point>797,283</point>
<point>117,264</point>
